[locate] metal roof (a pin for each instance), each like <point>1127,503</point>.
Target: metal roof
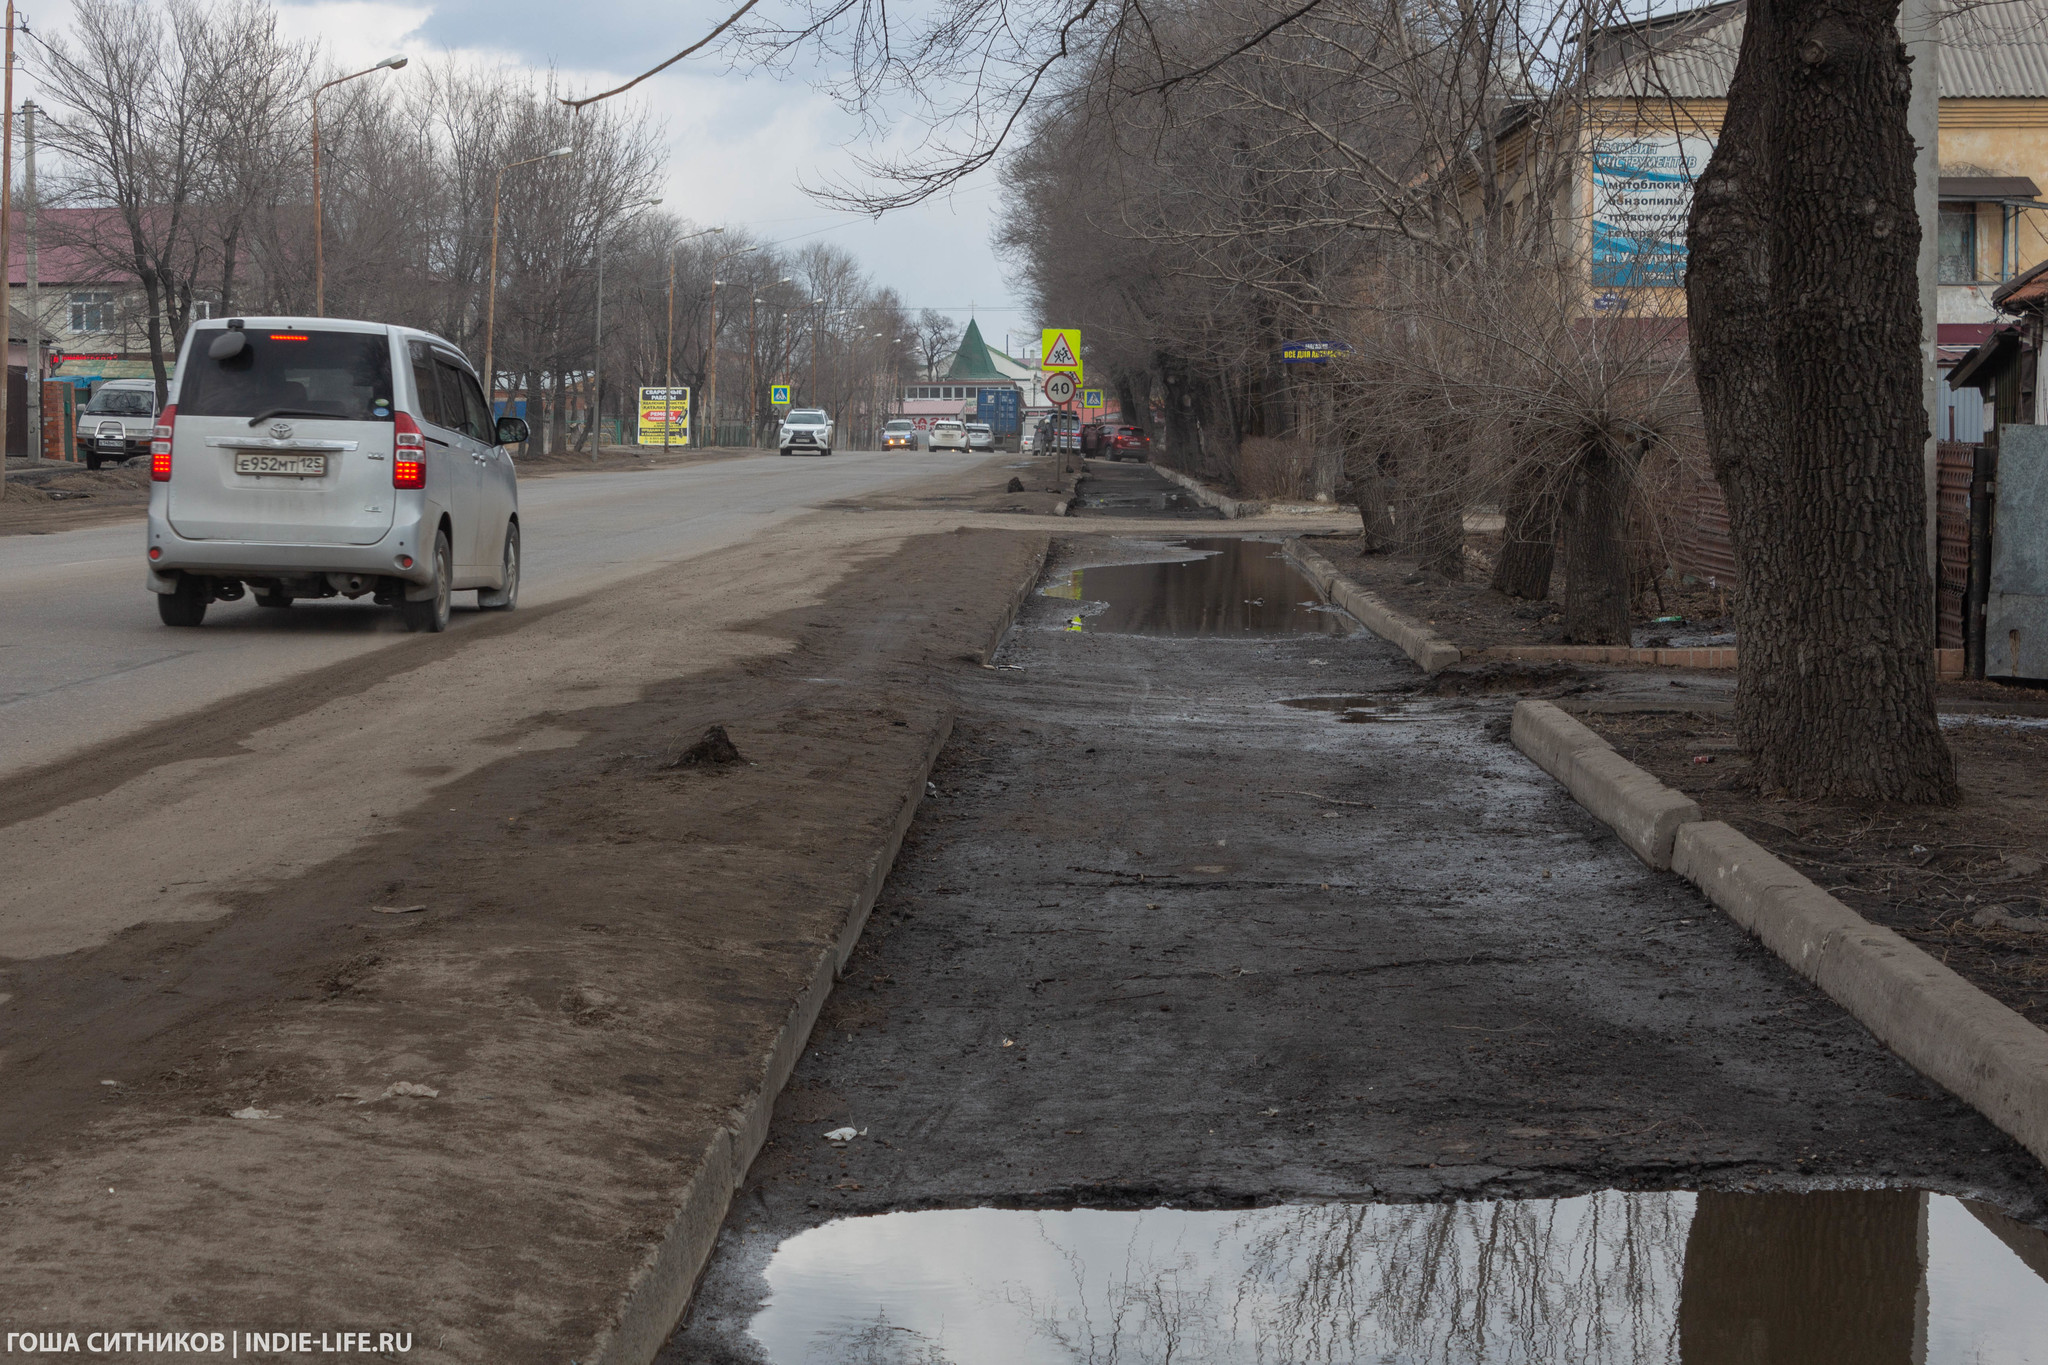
<point>1989,51</point>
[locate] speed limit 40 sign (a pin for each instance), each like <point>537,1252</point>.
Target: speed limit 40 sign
<point>1060,387</point>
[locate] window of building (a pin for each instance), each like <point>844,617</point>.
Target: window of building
<point>92,311</point>
<point>1958,243</point>
<point>202,308</point>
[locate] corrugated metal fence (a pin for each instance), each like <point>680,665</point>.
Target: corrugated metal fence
<point>1702,547</point>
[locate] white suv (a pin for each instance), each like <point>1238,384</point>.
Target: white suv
<point>117,423</point>
<point>315,457</point>
<point>808,430</point>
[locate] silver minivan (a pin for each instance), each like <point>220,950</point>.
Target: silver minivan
<point>315,457</point>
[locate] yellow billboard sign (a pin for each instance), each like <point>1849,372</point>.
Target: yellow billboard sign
<point>1059,348</point>
<point>664,417</point>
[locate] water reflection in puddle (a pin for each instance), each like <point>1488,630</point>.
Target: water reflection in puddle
<point>1845,1278</point>
<point>1237,587</point>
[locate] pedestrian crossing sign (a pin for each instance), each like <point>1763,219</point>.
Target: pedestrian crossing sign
<point>1091,398</point>
<point>1059,348</point>
<point>778,395</point>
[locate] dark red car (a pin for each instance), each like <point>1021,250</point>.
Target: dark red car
<point>1124,443</point>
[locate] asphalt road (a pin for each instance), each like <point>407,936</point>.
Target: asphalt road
<point>83,658</point>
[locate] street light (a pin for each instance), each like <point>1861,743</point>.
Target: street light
<point>711,350</point>
<point>491,290</point>
<point>668,362</point>
<point>392,63</point>
<point>597,355</point>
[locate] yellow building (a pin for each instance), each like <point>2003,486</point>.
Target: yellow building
<point>1660,90</point>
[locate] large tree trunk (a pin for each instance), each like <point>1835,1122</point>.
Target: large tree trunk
<point>1805,316</point>
<point>1528,535</point>
<point>1596,546</point>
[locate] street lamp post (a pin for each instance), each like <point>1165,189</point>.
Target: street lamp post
<point>597,352</point>
<point>393,63</point>
<point>668,363</point>
<point>711,348</point>
<point>491,289</point>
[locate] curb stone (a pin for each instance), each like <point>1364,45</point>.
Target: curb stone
<point>1643,811</point>
<point>1932,1019</point>
<point>1414,638</point>
<point>1231,508</point>
<point>660,1292</point>
<point>1938,1023</point>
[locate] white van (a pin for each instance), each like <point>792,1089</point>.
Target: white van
<point>310,457</point>
<point>117,423</point>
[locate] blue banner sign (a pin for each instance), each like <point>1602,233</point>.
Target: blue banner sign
<point>1312,352</point>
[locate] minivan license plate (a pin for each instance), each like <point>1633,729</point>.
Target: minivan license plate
<point>296,466</point>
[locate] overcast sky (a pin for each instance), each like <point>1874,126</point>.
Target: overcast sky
<point>739,146</point>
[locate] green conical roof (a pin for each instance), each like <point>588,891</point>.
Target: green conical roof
<point>972,360</point>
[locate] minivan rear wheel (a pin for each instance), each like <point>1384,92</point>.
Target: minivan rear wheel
<point>507,597</point>
<point>431,615</point>
<point>186,606</point>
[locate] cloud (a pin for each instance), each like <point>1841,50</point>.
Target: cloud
<point>740,145</point>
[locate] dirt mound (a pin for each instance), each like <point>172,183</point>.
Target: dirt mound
<point>713,750</point>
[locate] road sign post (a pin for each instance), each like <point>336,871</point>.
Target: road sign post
<point>1060,388</point>
<point>778,395</point>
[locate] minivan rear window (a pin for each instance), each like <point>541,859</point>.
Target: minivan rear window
<point>344,376</point>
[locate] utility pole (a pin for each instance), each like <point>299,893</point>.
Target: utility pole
<point>753,410</point>
<point>7,230</point>
<point>35,295</point>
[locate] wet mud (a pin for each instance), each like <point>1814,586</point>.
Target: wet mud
<point>1116,488</point>
<point>1171,932</point>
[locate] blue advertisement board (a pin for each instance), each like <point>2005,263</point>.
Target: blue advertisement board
<point>998,408</point>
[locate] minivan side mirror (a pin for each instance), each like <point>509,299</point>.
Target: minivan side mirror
<point>512,431</point>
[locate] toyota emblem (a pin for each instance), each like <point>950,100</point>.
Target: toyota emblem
<point>280,431</point>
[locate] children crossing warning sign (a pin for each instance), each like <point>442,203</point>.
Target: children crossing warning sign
<point>1060,349</point>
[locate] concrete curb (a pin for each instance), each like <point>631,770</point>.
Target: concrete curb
<point>1231,508</point>
<point>661,1288</point>
<point>1938,1023</point>
<point>1413,637</point>
<point>1932,1019</point>
<point>1643,811</point>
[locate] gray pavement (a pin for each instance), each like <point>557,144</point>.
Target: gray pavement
<point>1227,922</point>
<point>83,658</point>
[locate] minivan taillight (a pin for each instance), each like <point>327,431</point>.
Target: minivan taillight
<point>160,445</point>
<point>408,453</point>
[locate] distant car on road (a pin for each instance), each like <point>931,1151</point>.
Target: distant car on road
<point>314,457</point>
<point>947,434</point>
<point>899,433</point>
<point>1125,443</point>
<point>980,437</point>
<point>117,423</point>
<point>805,430</point>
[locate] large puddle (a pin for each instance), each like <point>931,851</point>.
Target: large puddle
<point>1236,587</point>
<point>1840,1278</point>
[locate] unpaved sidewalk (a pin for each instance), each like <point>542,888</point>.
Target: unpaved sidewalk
<point>469,1119</point>
<point>1233,922</point>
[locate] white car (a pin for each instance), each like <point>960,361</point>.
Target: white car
<point>947,435</point>
<point>806,430</point>
<point>117,423</point>
<point>314,457</point>
<point>979,437</point>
